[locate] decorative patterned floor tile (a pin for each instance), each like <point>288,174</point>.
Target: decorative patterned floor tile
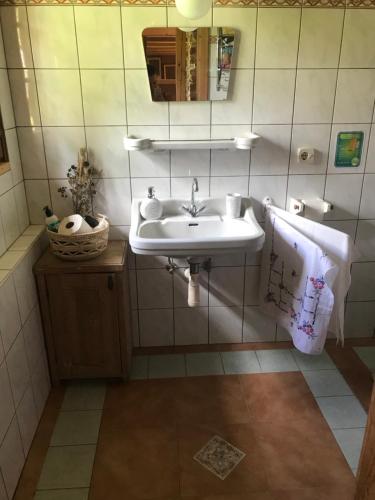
<point>219,457</point>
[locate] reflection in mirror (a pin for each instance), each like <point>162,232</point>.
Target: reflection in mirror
<point>188,64</point>
<point>4,165</point>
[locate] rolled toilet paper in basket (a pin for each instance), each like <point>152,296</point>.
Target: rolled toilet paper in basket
<point>74,224</point>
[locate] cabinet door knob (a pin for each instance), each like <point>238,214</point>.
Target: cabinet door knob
<point>110,282</point>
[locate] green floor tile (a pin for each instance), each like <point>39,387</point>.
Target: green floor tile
<point>367,355</point>
<point>72,494</point>
<point>139,369</point>
<point>240,362</point>
<point>67,467</point>
<point>76,427</point>
<point>167,366</point>
<point>204,363</point>
<point>84,396</point>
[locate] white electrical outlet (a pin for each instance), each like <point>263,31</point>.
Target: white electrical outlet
<point>306,155</point>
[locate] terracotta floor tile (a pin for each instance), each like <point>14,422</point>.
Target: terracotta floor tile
<point>211,399</point>
<point>278,396</point>
<point>302,453</point>
<point>141,462</point>
<point>259,495</point>
<point>142,403</point>
<point>248,477</point>
<point>334,493</point>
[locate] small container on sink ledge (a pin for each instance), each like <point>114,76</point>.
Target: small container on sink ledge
<point>151,208</point>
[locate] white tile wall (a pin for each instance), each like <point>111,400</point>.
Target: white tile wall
<point>25,98</point>
<point>191,325</point>
<point>12,457</point>
<point>106,151</point>
<point>92,31</point>
<point>226,286</point>
<point>225,324</point>
<point>16,37</point>
<point>320,40</point>
<point>311,104</point>
<point>53,48</point>
<point>358,36</point>
<point>277,39</point>
<point>103,93</point>
<point>13,210</point>
<point>360,85</point>
<point>271,157</point>
<point>59,97</point>
<point>269,85</point>
<point>18,370</point>
<point>32,152</point>
<point>257,327</point>
<point>312,78</point>
<point>24,377</point>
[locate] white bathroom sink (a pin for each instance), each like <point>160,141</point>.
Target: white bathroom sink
<point>210,233</point>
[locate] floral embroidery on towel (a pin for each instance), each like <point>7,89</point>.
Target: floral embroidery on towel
<point>302,307</point>
<point>318,283</point>
<point>307,328</point>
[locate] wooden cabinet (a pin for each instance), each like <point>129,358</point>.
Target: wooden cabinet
<point>85,311</point>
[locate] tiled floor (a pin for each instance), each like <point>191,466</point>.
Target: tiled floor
<point>67,469</point>
<point>289,413</point>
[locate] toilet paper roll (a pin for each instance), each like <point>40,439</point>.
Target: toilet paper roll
<point>74,224</point>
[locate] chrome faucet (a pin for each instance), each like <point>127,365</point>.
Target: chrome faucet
<point>193,209</point>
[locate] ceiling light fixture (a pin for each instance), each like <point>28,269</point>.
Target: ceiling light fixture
<point>193,9</point>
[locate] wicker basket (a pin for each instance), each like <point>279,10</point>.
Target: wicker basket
<point>81,246</point>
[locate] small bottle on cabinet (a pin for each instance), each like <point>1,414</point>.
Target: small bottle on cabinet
<point>52,221</point>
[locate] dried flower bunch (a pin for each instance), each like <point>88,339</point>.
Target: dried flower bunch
<point>82,180</point>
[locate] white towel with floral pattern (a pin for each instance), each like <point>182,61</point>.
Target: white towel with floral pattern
<point>297,277</point>
<point>340,248</point>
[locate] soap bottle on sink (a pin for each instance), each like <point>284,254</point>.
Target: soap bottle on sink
<point>151,208</point>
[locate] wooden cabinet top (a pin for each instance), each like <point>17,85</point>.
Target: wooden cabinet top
<point>111,261</point>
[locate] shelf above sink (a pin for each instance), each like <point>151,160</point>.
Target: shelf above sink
<point>138,144</point>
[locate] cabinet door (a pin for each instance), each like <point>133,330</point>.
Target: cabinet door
<point>84,320</point>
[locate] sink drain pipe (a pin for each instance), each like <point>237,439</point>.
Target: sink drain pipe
<point>192,273</point>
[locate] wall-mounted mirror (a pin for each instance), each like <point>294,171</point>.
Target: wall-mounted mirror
<point>188,64</point>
